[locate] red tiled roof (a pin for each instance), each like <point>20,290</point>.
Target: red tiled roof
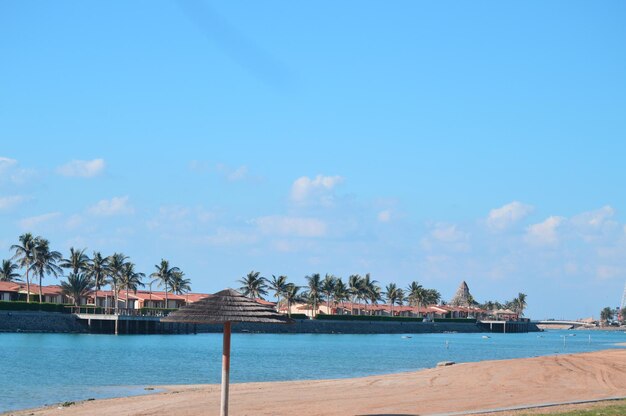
<point>34,289</point>
<point>9,287</point>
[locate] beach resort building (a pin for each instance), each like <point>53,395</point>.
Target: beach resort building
<point>14,291</point>
<point>428,312</point>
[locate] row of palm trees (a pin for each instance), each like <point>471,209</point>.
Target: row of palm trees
<point>34,256</point>
<point>333,290</point>
<point>517,304</point>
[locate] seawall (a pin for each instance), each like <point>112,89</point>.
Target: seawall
<point>53,322</point>
<point>27,321</point>
<point>308,326</point>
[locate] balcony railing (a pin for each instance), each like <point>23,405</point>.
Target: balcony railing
<point>93,310</point>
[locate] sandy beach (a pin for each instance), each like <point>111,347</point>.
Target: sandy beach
<point>461,387</point>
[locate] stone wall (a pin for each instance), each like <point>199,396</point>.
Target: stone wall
<point>23,321</point>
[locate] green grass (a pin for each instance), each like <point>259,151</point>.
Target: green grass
<point>616,409</point>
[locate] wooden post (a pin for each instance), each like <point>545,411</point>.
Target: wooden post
<point>225,369</point>
<point>116,326</point>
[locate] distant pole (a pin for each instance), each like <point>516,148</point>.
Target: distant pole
<point>225,369</point>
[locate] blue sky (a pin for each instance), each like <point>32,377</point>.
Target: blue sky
<point>436,142</point>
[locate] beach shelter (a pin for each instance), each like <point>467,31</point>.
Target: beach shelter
<point>226,307</point>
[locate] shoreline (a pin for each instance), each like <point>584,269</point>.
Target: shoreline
<point>464,387</point>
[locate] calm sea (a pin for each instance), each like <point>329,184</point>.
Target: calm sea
<point>39,369</point>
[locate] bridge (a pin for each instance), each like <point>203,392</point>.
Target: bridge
<point>561,324</point>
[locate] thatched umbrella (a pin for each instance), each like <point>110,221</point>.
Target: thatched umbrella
<point>226,307</point>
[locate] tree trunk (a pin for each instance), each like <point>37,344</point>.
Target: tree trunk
<point>116,300</point>
<point>40,292</point>
<point>27,286</point>
<point>165,295</point>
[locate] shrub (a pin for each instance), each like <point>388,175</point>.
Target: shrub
<point>367,318</point>
<point>299,316</point>
<point>34,306</point>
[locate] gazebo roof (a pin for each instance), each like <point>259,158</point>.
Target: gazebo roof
<point>227,306</point>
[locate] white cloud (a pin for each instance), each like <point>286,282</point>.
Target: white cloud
<point>544,233</point>
<point>82,168</point>
<point>384,216</point>
<point>31,222</point>
<point>447,233</point>
<point>180,218</point>
<point>446,237</point>
<point>292,226</point>
<point>594,219</point>
<point>507,215</point>
<point>231,174</point>
<point>10,171</point>
<point>305,188</point>
<point>8,202</point>
<point>115,206</point>
<point>6,163</point>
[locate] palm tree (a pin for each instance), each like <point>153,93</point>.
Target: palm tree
<point>25,255</point>
<point>45,262</point>
<point>314,284</point>
<point>164,274</point>
<point>97,271</point>
<point>374,295</point>
<point>416,295</point>
<point>130,279</point>
<point>116,267</point>
<point>401,297</point>
<point>179,284</point>
<point>432,296</point>
<point>291,296</point>
<point>519,304</point>
<point>341,293</point>
<point>278,286</point>
<point>328,288</point>
<point>253,285</point>
<point>489,305</point>
<point>391,293</point>
<point>77,286</point>
<point>7,271</point>
<point>77,261</point>
<point>368,291</point>
<point>354,284</point>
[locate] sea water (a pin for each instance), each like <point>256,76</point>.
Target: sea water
<point>39,369</point>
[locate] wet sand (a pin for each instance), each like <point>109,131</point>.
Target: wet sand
<point>459,388</point>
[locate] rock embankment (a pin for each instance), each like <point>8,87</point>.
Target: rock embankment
<point>14,321</point>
